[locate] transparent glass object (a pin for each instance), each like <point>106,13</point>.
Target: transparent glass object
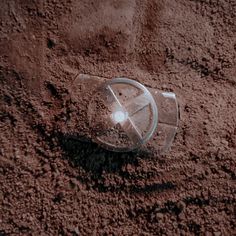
<point>124,115</point>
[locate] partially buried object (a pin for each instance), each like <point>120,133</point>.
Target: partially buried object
<point>123,115</point>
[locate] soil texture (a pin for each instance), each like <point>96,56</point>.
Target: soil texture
<point>51,182</point>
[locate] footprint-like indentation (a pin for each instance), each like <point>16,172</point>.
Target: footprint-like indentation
<point>105,31</point>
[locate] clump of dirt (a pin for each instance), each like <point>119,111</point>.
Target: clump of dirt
<point>51,182</point>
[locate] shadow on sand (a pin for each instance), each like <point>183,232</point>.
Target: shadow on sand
<point>97,161</point>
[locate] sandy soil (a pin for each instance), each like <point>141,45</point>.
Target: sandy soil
<point>53,184</point>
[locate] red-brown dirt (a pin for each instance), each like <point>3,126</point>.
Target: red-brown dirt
<point>53,184</point>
